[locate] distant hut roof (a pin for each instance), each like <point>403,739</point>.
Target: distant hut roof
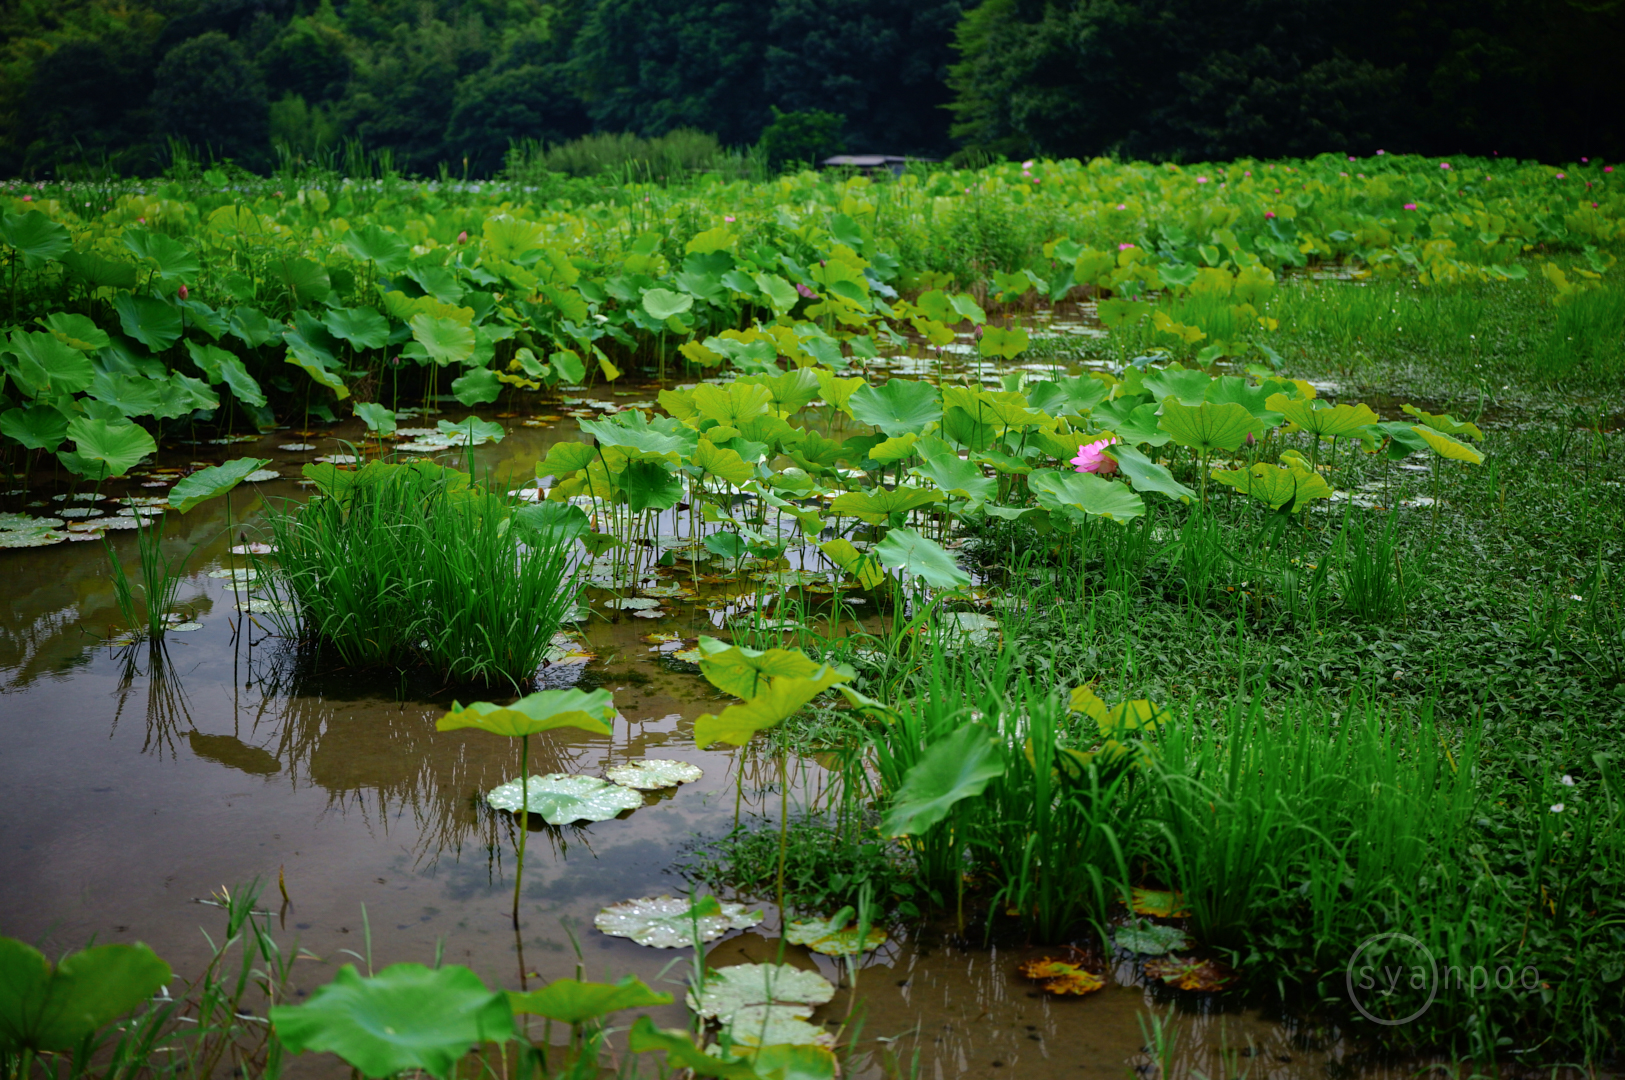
<point>893,162</point>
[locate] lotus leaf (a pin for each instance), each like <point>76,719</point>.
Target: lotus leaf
<point>1187,973</point>
<point>776,1025</point>
<point>727,990</point>
<point>543,711</point>
<point>45,365</point>
<point>216,480</point>
<point>744,672</point>
<point>1208,426</point>
<point>1149,939</point>
<point>789,1061</point>
<point>958,767</point>
<point>837,936</point>
<point>406,1017</point>
<point>1083,494</point>
<point>877,505</point>
<point>898,406</point>
<point>1146,475</point>
<point>46,1007</point>
<point>102,449</point>
<point>38,427</point>
<point>664,922</point>
<point>35,236</point>
<point>863,567</point>
<point>651,774</point>
<point>917,556</point>
<point>153,322</point>
<point>681,1053</point>
<point>1063,978</point>
<point>954,475</point>
<point>1277,486</point>
<point>1322,420</point>
<point>1158,904</point>
<point>559,798</point>
<point>783,698</point>
<point>572,1001</point>
<point>1447,446</point>
<point>1187,387</point>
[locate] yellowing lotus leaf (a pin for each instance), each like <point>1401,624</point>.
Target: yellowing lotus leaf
<point>1276,486</point>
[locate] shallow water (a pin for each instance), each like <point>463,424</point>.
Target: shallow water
<point>135,783</point>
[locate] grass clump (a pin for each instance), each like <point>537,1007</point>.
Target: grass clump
<point>409,565</point>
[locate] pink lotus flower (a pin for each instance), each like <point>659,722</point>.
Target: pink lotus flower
<point>728,218</point>
<point>1560,176</point>
<point>1034,161</point>
<point>1381,152</point>
<point>1249,173</point>
<point>1122,206</point>
<point>1201,179</point>
<point>1410,206</point>
<point>1124,247</point>
<point>28,198</point>
<point>462,237</point>
<point>1607,168</point>
<point>1593,206</point>
<point>1351,157</point>
<point>184,293</point>
<point>1444,165</point>
<point>1092,458</point>
<point>804,291</point>
<point>1269,213</point>
<point>1585,161</point>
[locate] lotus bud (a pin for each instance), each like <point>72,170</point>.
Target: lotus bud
<point>462,237</point>
<point>184,293</point>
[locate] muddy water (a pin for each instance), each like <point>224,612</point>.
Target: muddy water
<point>136,782</point>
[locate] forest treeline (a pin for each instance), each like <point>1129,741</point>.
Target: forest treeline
<point>454,83</point>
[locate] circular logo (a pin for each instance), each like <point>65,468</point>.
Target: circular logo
<point>1385,963</point>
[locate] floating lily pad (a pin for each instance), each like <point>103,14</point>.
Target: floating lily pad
<point>559,798</point>
<point>977,629</point>
<point>259,476</point>
<point>1188,973</point>
<point>342,459</point>
<point>567,648</point>
<point>297,447</point>
<point>837,937</point>
<point>24,523</point>
<point>95,533</point>
<point>776,1025</point>
<point>119,521</point>
<point>651,774</point>
<point>183,627</point>
<point>632,603</point>
<point>80,512</point>
<point>252,549</point>
<point>1150,939</point>
<point>653,613</point>
<point>1063,978</point>
<point>31,538</point>
<point>665,922</point>
<point>730,989</point>
<point>687,656</point>
<point>663,591</point>
<point>239,574</point>
<point>264,605</point>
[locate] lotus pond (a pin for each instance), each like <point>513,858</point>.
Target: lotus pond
<point>1038,621</point>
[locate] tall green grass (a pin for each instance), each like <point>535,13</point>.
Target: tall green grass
<point>160,580</point>
<point>414,565</point>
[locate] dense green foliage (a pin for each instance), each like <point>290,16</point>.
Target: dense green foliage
<point>453,83</point>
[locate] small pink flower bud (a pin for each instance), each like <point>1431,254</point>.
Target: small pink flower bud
<point>462,237</point>
<point>184,293</point>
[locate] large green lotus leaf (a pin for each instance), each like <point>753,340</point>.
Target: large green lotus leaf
<point>1133,422</point>
<point>863,567</point>
<point>175,261</point>
<point>663,303</point>
<point>756,1026</point>
<point>545,710</point>
<point>76,331</point>
<point>250,326</point>
<point>478,386</point>
<point>877,505</point>
<point>559,798</point>
<point>1277,485</point>
<point>1077,396</point>
<point>958,767</point>
<point>566,459</point>
<point>1448,447</point>
<point>572,1001</point>
<point>471,432</point>
<point>649,485</point>
<point>1146,475</point>
<point>1236,390</point>
<point>793,390</point>
<point>100,272</point>
<point>997,341</point>
<point>447,341</point>
<point>681,1053</point>
<point>38,427</point>
<point>109,449</point>
<point>653,774</point>
<point>362,327</point>
<point>743,672</point>
<point>306,280</point>
<point>733,404</point>
<point>375,244</point>
<point>1317,418</point>
<point>788,1061</point>
<point>131,395</point>
<point>1403,441</point>
<point>780,700</point>
<point>1187,387</point>
<point>35,236</point>
<point>893,450</point>
<point>722,462</point>
<point>636,433</point>
<point>920,557</point>
<point>729,989</point>
<point>1077,494</point>
<point>48,366</point>
<point>379,418</point>
<point>216,480</point>
<point>1208,427</point>
<point>898,406</point>
<point>406,1017</point>
<point>181,394</point>
<point>664,922</point>
<point>319,373</point>
<point>53,1009</point>
<point>953,475</point>
<point>151,321</point>
<point>967,429</point>
<point>1149,938</point>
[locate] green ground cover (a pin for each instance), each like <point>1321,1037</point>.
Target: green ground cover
<point>1155,637</point>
